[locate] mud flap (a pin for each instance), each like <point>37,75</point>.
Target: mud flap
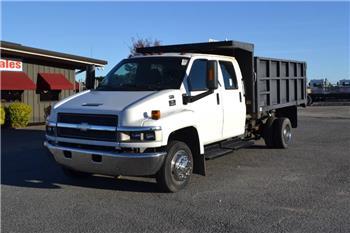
<point>199,164</point>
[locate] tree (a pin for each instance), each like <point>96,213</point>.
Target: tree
<point>141,43</point>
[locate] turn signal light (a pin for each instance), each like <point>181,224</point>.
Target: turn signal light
<point>211,74</point>
<point>155,114</point>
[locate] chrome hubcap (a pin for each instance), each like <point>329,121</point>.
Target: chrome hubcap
<point>181,166</point>
<point>287,134</point>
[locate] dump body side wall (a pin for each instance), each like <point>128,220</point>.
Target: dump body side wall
<point>279,84</point>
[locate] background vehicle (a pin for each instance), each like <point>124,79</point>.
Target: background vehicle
<point>322,90</point>
<point>165,111</point>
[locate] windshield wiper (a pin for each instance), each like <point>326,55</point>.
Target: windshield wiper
<point>142,86</point>
<point>129,86</point>
<point>103,88</point>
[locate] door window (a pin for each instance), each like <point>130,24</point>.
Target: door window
<point>229,75</point>
<point>197,76</point>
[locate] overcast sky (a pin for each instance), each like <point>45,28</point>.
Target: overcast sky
<point>315,32</point>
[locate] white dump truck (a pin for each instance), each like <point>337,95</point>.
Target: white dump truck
<point>167,110</point>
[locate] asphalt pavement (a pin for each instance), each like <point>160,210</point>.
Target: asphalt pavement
<point>305,188</point>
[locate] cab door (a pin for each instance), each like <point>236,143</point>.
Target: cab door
<point>234,108</point>
<point>208,110</point>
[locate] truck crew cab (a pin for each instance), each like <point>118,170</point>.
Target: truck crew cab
<point>165,111</point>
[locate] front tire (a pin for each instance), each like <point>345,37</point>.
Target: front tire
<point>177,168</point>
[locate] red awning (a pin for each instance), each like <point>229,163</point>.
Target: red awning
<point>53,81</point>
<point>15,81</point>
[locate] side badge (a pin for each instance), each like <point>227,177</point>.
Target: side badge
<point>172,102</point>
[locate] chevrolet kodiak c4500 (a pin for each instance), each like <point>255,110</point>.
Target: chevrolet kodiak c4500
<point>163,112</point>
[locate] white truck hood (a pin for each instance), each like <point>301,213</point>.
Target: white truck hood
<point>108,102</point>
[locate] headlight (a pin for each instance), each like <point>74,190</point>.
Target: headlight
<point>140,135</point>
<point>50,129</point>
<point>149,136</point>
<point>136,136</point>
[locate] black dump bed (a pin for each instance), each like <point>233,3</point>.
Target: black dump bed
<point>269,83</point>
<point>279,83</point>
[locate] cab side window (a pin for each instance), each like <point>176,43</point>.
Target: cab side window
<point>197,77</point>
<point>229,75</point>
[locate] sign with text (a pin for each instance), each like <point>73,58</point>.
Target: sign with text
<point>10,65</point>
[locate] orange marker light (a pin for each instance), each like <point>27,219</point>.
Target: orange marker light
<point>211,75</point>
<point>155,114</point>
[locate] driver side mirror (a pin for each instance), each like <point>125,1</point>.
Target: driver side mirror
<point>212,75</point>
<point>90,77</point>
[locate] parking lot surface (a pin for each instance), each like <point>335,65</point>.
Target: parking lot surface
<point>305,188</point>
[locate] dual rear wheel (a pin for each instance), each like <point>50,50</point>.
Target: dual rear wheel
<point>277,132</point>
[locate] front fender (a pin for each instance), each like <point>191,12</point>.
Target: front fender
<point>175,121</point>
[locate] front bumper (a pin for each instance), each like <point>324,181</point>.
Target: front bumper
<point>109,163</point>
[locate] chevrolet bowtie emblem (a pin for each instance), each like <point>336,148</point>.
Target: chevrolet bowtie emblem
<point>84,127</point>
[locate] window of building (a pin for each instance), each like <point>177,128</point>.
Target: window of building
<point>197,76</point>
<point>49,95</point>
<point>11,96</point>
<point>229,75</point>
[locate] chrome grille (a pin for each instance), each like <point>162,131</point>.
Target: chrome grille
<point>87,126</point>
<point>91,119</point>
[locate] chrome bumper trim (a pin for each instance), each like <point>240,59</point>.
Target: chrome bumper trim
<point>85,127</point>
<point>132,164</point>
<point>139,128</point>
<point>51,123</point>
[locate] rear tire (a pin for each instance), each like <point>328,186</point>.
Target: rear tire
<point>282,133</point>
<point>73,173</point>
<point>268,132</point>
<point>177,168</point>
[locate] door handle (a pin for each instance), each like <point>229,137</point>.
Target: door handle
<point>240,97</point>
<point>217,98</point>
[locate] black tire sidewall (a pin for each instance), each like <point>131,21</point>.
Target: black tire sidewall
<point>268,132</point>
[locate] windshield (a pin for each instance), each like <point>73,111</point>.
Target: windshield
<point>142,74</point>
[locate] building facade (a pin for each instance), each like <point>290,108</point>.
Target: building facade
<point>40,78</point>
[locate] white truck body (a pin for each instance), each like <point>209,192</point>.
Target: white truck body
<point>212,115</point>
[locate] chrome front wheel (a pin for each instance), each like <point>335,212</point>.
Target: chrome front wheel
<point>181,166</point>
<point>176,171</point>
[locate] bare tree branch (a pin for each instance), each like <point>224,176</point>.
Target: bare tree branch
<point>141,43</point>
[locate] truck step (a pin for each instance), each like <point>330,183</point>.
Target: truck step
<point>236,144</point>
<point>222,148</point>
<point>215,153</point>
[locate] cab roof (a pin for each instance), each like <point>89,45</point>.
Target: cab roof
<point>184,55</point>
<point>227,48</point>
